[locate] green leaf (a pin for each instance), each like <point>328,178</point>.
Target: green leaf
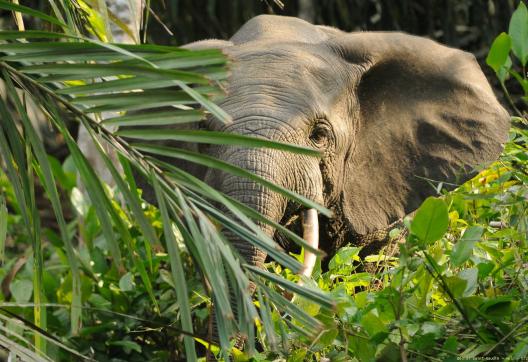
<point>177,269</point>
<point>126,283</point>
<point>485,268</point>
<point>183,58</point>
<point>346,255</point>
<point>30,34</point>
<point>363,349</point>
<point>36,47</point>
<point>28,11</point>
<point>520,352</point>
<point>471,278</point>
<point>212,162</point>
<point>451,344</point>
<point>91,71</point>
<point>313,295</point>
<point>3,228</point>
<point>518,31</point>
<point>164,118</point>
<point>431,220</point>
<point>215,138</point>
<point>45,173</point>
<point>22,290</point>
<point>457,286</point>
<point>201,187</point>
<point>311,324</point>
<point>499,307</point>
<point>96,192</point>
<point>121,84</point>
<point>498,54</point>
<point>372,324</point>
<point>464,247</point>
<point>128,346</point>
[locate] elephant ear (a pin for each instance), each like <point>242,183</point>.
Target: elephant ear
<point>426,112</point>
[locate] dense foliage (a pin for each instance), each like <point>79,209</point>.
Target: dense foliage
<point>458,287</point>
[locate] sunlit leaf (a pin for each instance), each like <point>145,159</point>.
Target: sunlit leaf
<point>464,247</point>
<point>498,54</point>
<point>430,221</point>
<point>518,30</point>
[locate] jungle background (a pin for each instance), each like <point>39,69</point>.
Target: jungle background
<point>86,284</point>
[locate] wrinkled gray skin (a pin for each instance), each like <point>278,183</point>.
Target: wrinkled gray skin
<point>386,110</point>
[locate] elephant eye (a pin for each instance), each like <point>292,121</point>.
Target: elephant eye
<point>320,134</point>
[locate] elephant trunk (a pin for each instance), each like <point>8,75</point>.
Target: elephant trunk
<point>265,163</point>
<point>268,203</point>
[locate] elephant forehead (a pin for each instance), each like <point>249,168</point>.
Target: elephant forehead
<point>292,77</point>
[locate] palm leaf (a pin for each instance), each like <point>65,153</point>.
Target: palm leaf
<point>119,78</point>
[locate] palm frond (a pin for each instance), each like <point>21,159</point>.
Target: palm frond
<point>78,78</point>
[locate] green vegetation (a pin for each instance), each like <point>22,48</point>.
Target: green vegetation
<point>111,277</point>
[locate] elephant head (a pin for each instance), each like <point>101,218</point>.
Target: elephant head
<point>388,111</point>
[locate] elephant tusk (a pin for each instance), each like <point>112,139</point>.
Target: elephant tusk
<point>310,226</point>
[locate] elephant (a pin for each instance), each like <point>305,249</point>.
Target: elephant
<point>388,111</point>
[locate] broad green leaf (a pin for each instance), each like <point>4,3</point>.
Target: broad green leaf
<point>346,255</point>
<point>431,220</point>
<point>501,306</point>
<point>372,324</point>
<point>485,268</point>
<point>451,344</point>
<point>464,247</point>
<point>498,54</point>
<point>363,349</point>
<point>471,277</point>
<point>518,31</point>
<point>504,71</point>
<point>456,285</point>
